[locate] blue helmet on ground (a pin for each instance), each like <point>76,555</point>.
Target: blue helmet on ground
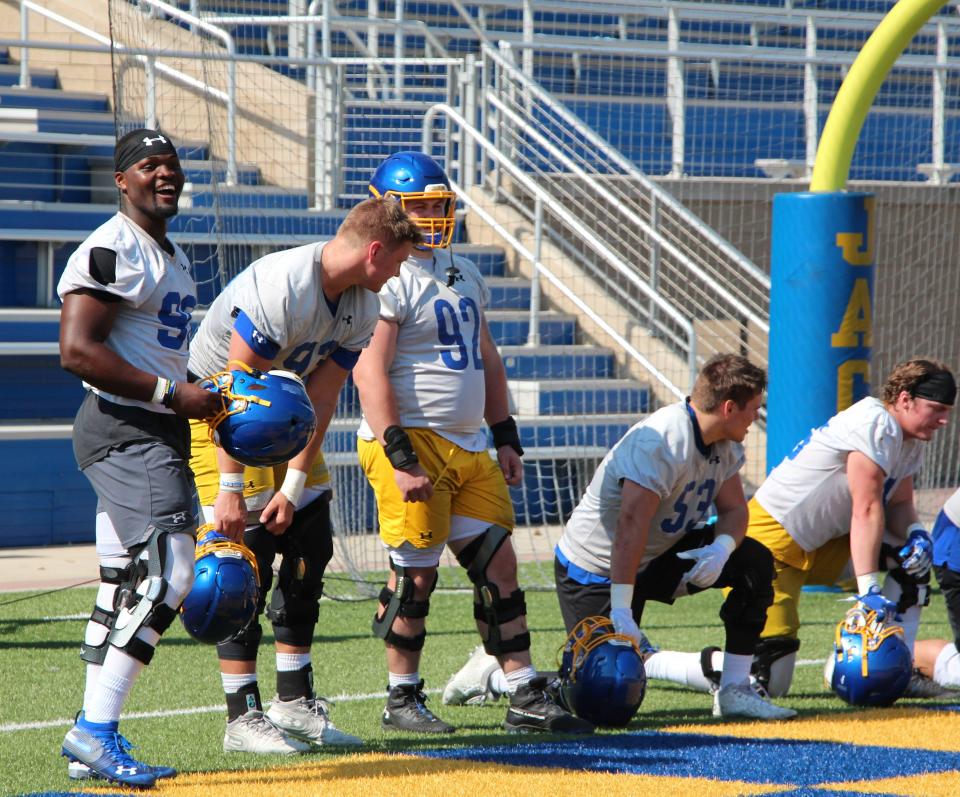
<point>267,418</point>
<point>409,176</point>
<point>601,675</point>
<point>871,662</point>
<point>226,587</point>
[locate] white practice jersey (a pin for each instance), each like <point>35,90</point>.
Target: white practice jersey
<point>666,455</point>
<point>951,508</point>
<point>277,304</point>
<point>808,493</point>
<point>437,373</point>
<point>158,295</point>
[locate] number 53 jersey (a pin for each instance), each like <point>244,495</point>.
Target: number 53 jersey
<point>664,454</point>
<point>157,297</point>
<point>437,372</point>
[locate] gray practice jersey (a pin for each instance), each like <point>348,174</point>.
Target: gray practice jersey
<point>157,293</point>
<point>437,373</point>
<point>808,493</point>
<point>666,455</point>
<point>277,305</point>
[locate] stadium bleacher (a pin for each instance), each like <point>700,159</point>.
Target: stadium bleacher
<point>53,194</point>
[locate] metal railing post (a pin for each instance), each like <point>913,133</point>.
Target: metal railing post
<point>398,47</point>
<point>150,79</point>
<point>938,176</point>
<point>675,95</point>
<point>654,258</point>
<point>24,82</point>
<point>810,96</point>
<point>469,89</point>
<point>533,334</point>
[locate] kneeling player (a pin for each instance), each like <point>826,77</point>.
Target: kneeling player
<point>638,533</point>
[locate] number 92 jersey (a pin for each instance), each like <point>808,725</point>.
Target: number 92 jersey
<point>437,373</point>
<point>157,292</point>
<point>666,455</point>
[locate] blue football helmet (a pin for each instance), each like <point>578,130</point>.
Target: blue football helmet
<point>871,662</point>
<point>267,418</point>
<point>409,176</point>
<point>226,586</point>
<point>601,674</point>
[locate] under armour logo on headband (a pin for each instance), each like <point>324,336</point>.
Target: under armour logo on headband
<point>149,141</point>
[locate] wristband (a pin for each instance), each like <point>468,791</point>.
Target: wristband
<point>293,484</point>
<point>505,434</point>
<point>231,482</point>
<point>167,399</point>
<point>727,542</point>
<point>621,596</point>
<point>866,581</point>
<point>398,448</point>
<point>160,390</point>
<point>917,527</point>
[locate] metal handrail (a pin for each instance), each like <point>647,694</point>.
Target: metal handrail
<point>585,233</point>
<point>664,197</point>
<point>229,98</point>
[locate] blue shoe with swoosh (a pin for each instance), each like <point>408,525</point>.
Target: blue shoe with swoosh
<point>106,753</point>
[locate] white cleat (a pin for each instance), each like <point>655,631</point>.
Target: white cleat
<point>742,700</point>
<point>254,733</point>
<point>470,685</point>
<point>308,720</point>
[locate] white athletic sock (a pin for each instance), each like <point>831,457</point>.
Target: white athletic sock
<point>911,625</point>
<point>117,676</point>
<point>736,669</point>
<point>290,662</point>
<point>517,678</point>
<point>498,682</point>
<point>234,682</point>
<point>681,668</point>
<point>403,679</point>
<point>95,634</point>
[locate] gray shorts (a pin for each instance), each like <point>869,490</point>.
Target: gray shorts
<point>142,485</point>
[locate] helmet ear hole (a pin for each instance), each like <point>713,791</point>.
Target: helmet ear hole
<point>602,676</point>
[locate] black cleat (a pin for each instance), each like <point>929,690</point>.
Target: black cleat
<point>533,710</point>
<point>406,710</point>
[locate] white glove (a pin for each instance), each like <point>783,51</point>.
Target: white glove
<point>623,623</point>
<point>709,559</point>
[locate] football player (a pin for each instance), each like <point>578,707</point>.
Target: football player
<point>938,659</point>
<point>127,295</point>
<point>308,310</point>
<point>845,494</point>
<point>639,534</point>
<point>430,378</point>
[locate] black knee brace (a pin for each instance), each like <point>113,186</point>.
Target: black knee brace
<point>488,606</point>
<point>744,612</point>
<point>122,578</point>
<point>306,547</point>
<point>767,653</point>
<point>244,646</point>
<point>400,602</point>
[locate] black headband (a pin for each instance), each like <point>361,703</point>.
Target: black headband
<point>139,144</point>
<point>936,386</point>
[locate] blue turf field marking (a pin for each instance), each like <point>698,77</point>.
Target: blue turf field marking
<point>825,793</point>
<point>733,758</point>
